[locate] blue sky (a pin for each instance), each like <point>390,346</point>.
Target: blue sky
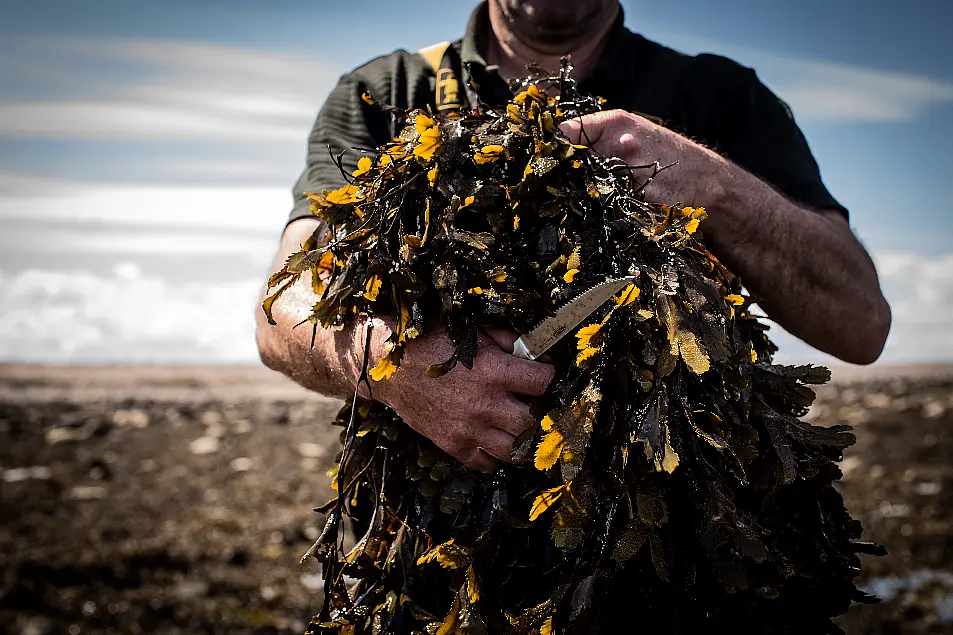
<point>145,145</point>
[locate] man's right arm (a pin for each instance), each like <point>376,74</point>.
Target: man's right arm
<point>474,415</point>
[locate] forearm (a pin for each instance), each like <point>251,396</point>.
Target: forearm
<point>332,366</point>
<point>805,268</point>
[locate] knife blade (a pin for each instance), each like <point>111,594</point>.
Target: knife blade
<point>567,317</point>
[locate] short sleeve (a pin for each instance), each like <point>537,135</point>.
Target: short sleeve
<point>344,123</point>
<point>758,132</point>
<point>348,124</point>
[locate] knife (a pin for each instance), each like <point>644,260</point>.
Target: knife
<point>567,317</point>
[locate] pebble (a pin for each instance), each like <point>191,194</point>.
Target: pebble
<point>63,434</point>
<point>890,510</point>
<point>131,418</point>
<point>211,418</point>
<point>933,409</point>
<point>311,450</point>
<point>312,581</point>
<point>242,426</point>
<point>188,589</point>
<point>242,464</point>
<point>928,488</point>
<point>204,445</point>
<point>310,465</point>
<point>36,626</point>
<point>852,414</point>
<point>215,430</point>
<point>877,400</point>
<point>34,473</point>
<point>850,464</point>
<point>88,492</point>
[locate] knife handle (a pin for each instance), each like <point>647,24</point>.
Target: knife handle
<point>520,350</point>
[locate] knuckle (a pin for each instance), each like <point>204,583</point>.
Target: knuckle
<point>494,366</point>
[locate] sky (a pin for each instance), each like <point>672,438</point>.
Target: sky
<point>147,150</point>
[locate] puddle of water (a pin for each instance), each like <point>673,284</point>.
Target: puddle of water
<point>924,586</point>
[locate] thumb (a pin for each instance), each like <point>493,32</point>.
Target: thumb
<point>588,129</point>
<point>572,128</point>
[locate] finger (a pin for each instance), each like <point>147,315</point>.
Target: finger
<point>497,443</point>
<point>581,130</point>
<point>588,129</point>
<point>503,338</point>
<point>480,461</point>
<point>512,416</point>
<point>523,377</point>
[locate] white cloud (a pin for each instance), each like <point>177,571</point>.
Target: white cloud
<point>66,119</point>
<point>49,316</point>
<point>826,92</point>
<point>57,316</point>
<point>823,92</point>
<point>920,292</point>
<point>184,90</point>
<point>262,209</point>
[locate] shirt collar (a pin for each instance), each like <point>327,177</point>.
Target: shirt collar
<point>613,64</point>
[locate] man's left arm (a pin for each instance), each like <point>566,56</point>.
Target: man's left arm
<point>804,267</point>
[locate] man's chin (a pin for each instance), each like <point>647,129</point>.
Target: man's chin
<point>560,38</point>
<point>555,38</point>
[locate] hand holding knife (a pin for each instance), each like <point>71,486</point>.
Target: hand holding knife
<point>566,318</point>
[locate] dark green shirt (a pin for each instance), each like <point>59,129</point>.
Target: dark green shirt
<point>708,98</point>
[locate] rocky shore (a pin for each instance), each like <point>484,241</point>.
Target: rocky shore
<point>178,499</point>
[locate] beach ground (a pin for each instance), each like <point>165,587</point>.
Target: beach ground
<point>178,499</point>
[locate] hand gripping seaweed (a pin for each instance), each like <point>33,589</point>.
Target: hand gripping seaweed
<point>669,484</point>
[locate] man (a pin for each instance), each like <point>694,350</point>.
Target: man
<point>771,220</point>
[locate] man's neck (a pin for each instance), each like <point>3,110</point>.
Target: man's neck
<point>506,50</point>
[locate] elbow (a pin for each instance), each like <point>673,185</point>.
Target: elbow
<point>869,341</point>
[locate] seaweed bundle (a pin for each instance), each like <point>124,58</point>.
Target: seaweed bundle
<point>669,482</point>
